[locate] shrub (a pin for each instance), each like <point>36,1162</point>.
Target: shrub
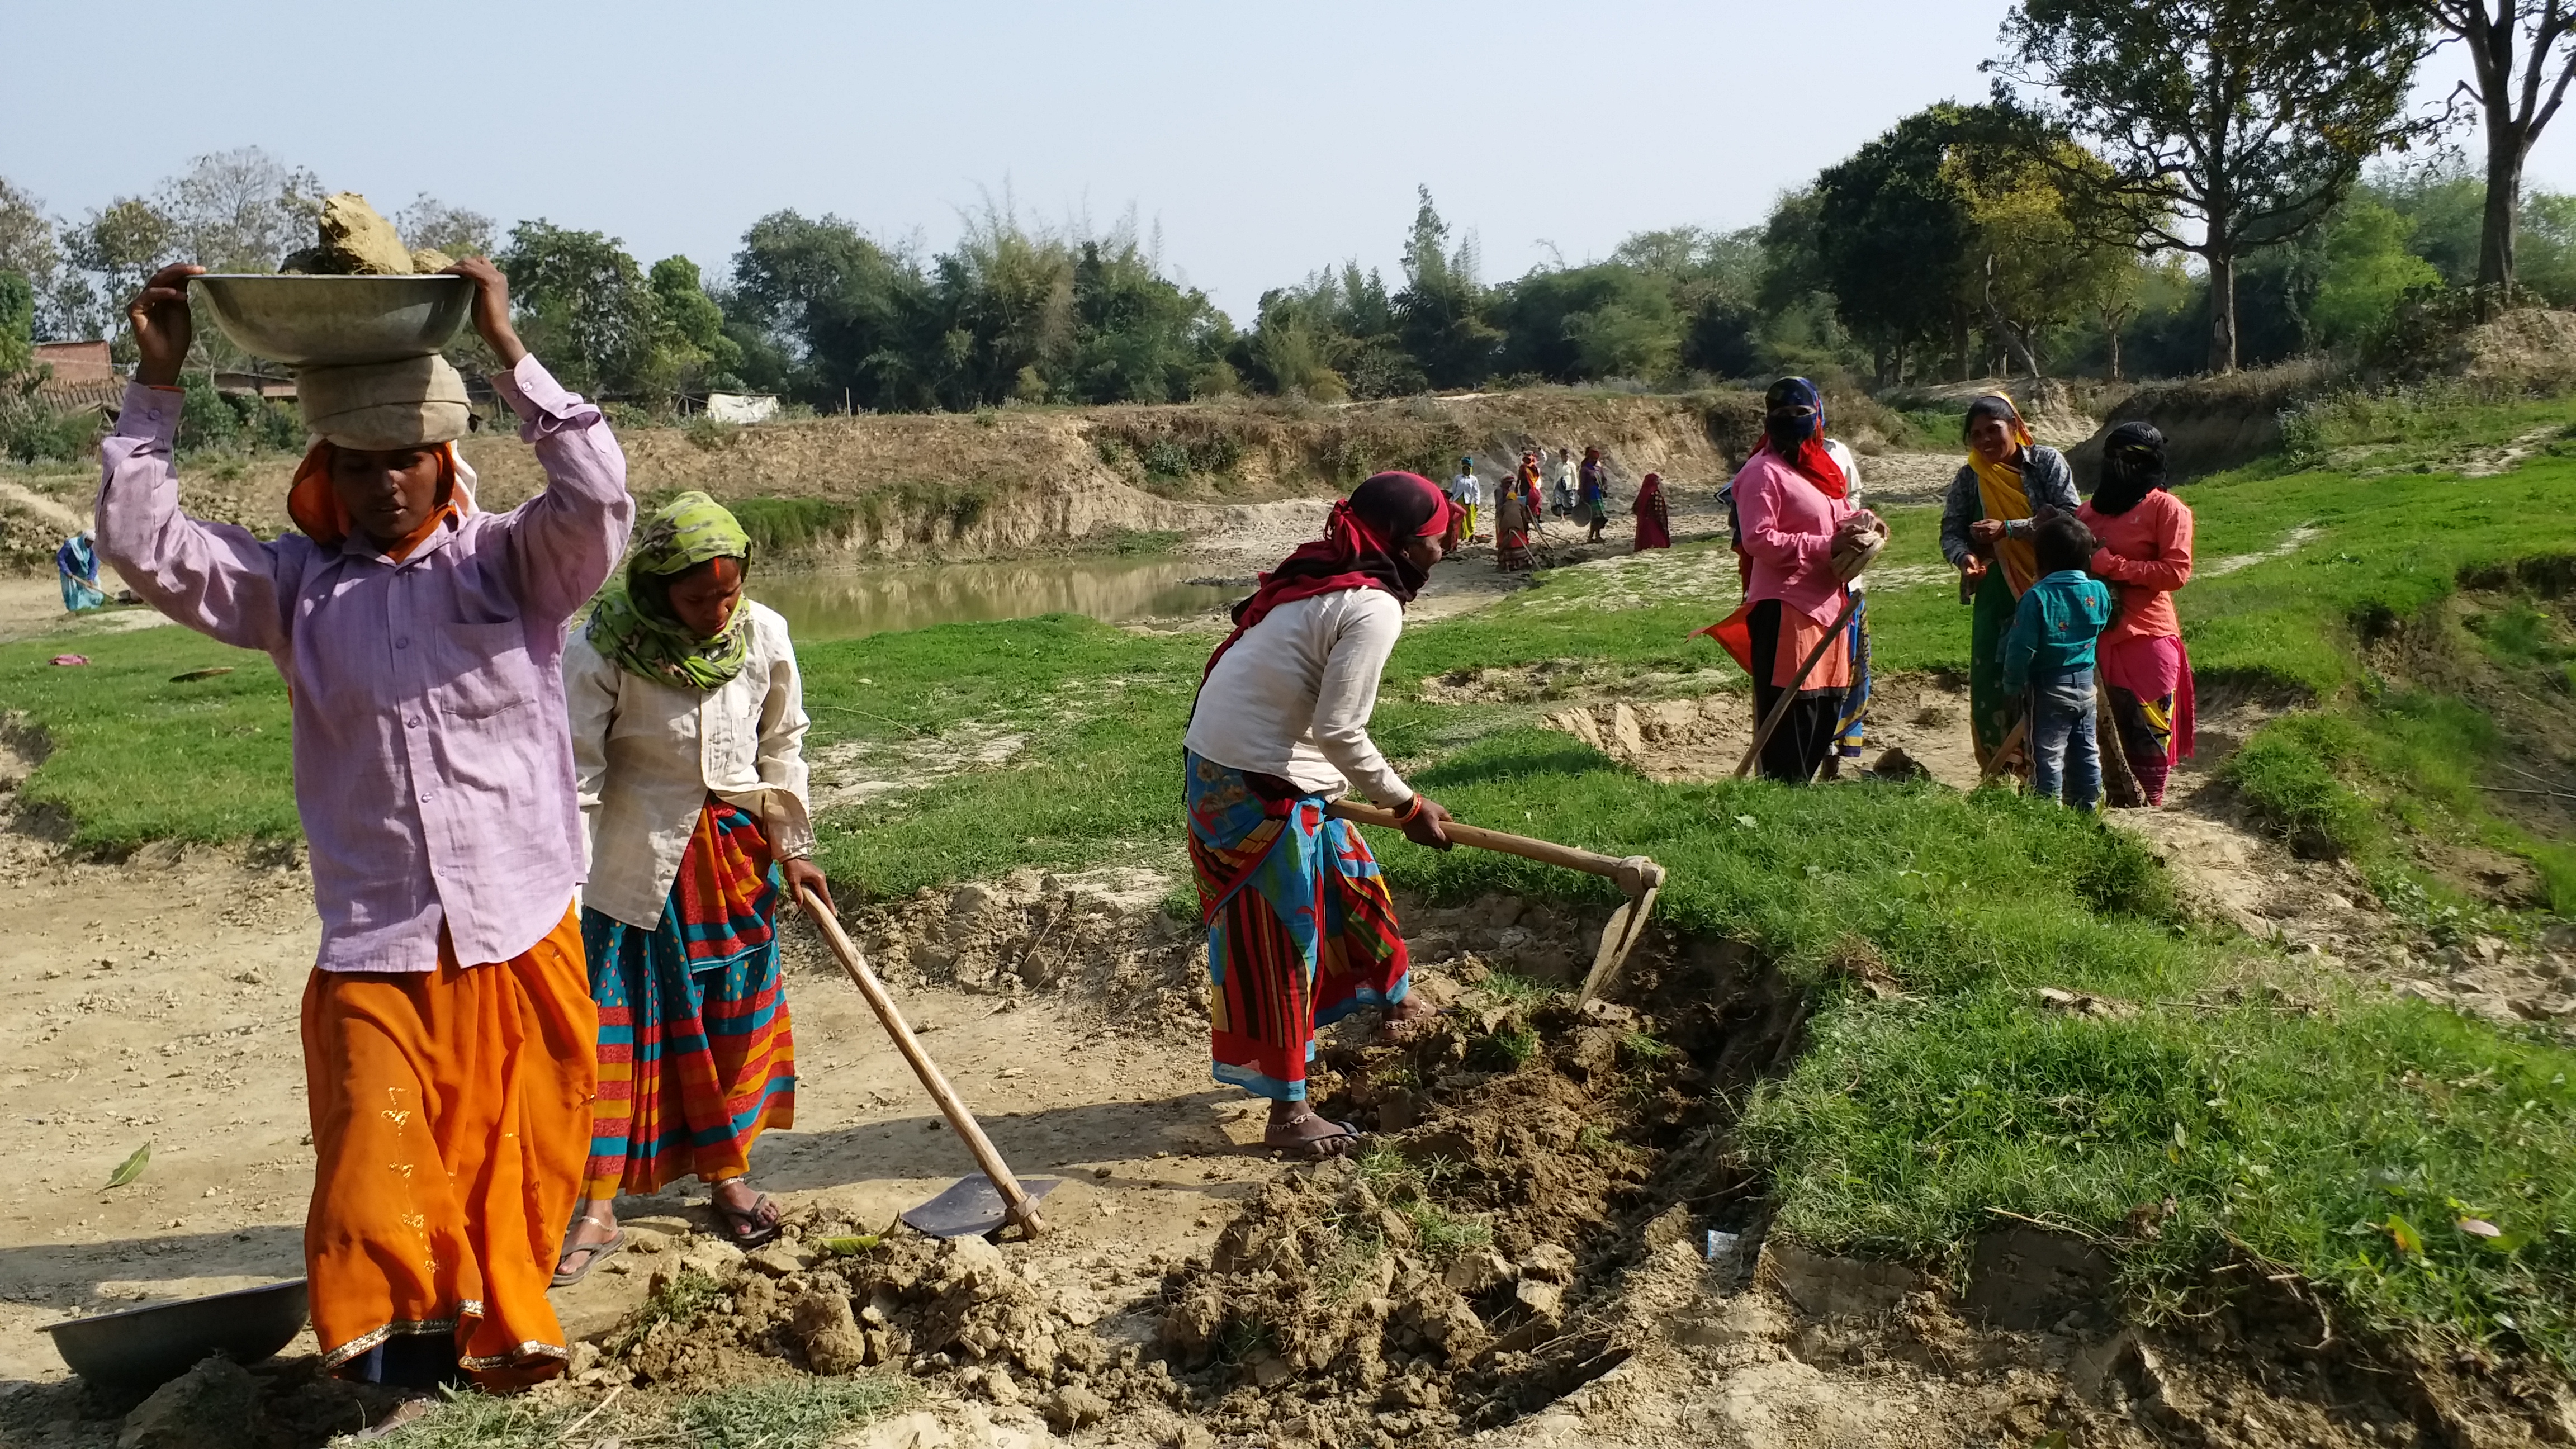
<point>2290,772</point>
<point>777,525</point>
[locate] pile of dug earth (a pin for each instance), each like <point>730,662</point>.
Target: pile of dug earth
<point>1464,1271</point>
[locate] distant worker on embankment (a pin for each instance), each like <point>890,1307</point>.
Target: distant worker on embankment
<point>688,744</point>
<point>1985,521</point>
<point>2145,533</point>
<point>447,1025</point>
<point>1467,491</point>
<point>1301,931</point>
<point>1593,495</point>
<point>77,562</point>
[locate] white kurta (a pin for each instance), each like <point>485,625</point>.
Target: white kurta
<point>1292,698</point>
<point>646,755</point>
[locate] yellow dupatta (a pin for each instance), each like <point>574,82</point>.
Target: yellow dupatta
<point>1999,488</point>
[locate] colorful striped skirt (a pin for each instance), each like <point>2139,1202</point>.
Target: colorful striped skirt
<point>2149,682</point>
<point>1851,730</point>
<point>1301,932</point>
<point>696,1059</point>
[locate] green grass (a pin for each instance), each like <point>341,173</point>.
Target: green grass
<point>781,1413</point>
<point>137,756</point>
<point>2284,1136</point>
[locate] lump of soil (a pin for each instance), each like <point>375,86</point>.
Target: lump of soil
<point>355,242</point>
<point>212,1406</point>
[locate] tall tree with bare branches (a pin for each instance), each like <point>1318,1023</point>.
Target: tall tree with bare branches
<point>2523,53</point>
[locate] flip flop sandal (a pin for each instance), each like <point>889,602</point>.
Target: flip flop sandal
<point>738,1219</point>
<point>1317,1149</point>
<point>599,1252</point>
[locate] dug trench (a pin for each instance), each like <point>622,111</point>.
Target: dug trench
<point>1549,1237</point>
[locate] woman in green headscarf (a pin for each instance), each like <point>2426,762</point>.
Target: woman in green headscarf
<point>688,725</point>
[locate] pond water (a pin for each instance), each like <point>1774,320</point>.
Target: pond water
<point>847,603</point>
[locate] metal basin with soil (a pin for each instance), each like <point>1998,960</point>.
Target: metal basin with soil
<point>142,1348</point>
<point>334,321</point>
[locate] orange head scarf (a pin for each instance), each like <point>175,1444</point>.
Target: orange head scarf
<point>315,505</point>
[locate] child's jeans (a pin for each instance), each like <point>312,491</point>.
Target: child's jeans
<point>2061,738</point>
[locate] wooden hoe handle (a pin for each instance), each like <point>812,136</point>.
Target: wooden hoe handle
<point>1633,875</point>
<point>1015,1199</point>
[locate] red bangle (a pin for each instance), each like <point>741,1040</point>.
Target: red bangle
<point>1411,812</point>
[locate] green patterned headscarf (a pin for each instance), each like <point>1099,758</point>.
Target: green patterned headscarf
<point>633,624</point>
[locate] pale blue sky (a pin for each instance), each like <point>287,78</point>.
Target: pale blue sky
<point>1264,141</point>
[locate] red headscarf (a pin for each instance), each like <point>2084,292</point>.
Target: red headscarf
<point>1361,549</point>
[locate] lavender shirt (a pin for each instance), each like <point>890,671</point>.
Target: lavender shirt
<point>433,764</point>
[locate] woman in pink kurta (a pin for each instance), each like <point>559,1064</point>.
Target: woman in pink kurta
<point>1790,500</point>
<point>2145,533</point>
<point>448,1027</point>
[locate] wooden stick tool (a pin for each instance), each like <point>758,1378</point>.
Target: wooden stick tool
<point>1637,877</point>
<point>1016,1203</point>
<point>1788,697</point>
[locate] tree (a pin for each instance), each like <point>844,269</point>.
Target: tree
<point>2038,260</point>
<point>1713,279</point>
<point>584,305</point>
<point>1893,233</point>
<point>847,317</point>
<point>2366,267</point>
<point>113,249</point>
<point>17,325</point>
<point>2512,103</point>
<point>1335,335</point>
<point>241,210</point>
<point>691,337</point>
<point>2251,118</point>
<point>1440,312</point>
<point>433,225</point>
<point>1138,336</point>
<point>27,244</point>
<point>1579,324</point>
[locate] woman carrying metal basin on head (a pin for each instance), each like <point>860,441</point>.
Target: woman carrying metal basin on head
<point>448,1024</point>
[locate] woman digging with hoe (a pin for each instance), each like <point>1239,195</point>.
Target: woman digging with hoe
<point>1301,932</point>
<point>688,731</point>
<point>447,1025</point>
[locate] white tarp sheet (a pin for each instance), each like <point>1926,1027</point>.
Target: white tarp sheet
<point>740,407</point>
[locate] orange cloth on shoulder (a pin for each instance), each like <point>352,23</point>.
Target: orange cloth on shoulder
<point>315,505</point>
<point>451,1121</point>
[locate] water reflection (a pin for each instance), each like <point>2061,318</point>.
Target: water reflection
<point>846,603</point>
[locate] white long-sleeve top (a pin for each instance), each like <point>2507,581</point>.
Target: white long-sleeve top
<point>646,755</point>
<point>1292,698</point>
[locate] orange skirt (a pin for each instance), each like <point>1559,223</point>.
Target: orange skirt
<point>451,1118</point>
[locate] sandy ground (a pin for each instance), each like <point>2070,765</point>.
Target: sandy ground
<point>155,1002</point>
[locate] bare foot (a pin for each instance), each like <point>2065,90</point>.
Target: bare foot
<point>400,1415</point>
<point>1295,1128</point>
<point>1407,1018</point>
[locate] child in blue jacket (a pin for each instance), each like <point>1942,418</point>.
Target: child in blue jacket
<point>2050,653</point>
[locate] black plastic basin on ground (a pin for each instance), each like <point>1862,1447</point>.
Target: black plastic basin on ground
<point>142,1348</point>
